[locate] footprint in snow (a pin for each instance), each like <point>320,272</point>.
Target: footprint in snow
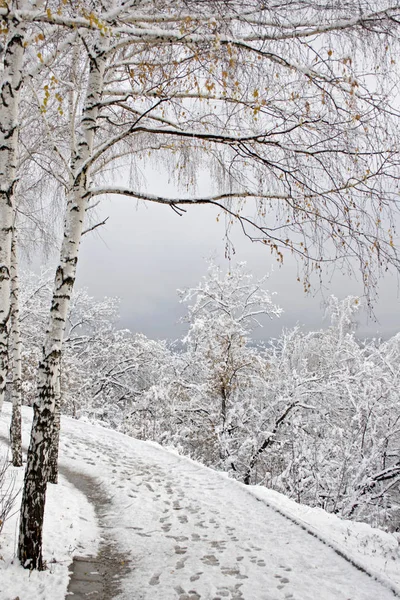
<point>230,571</point>
<point>155,580</point>
<point>219,545</point>
<point>210,559</point>
<point>181,563</point>
<point>163,519</point>
<point>283,582</point>
<point>261,563</point>
<point>193,510</point>
<point>179,590</point>
<point>201,524</point>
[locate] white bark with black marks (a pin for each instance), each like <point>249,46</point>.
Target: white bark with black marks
<point>15,428</point>
<point>10,86</point>
<point>55,437</point>
<point>37,470</point>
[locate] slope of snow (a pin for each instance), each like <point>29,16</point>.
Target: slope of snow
<point>70,527</point>
<point>191,533</point>
<point>367,548</point>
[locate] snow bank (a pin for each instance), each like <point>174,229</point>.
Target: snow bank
<point>370,549</point>
<point>70,527</point>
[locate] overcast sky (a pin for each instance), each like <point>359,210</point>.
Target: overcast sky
<point>145,252</point>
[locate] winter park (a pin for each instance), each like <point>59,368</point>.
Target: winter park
<point>199,300</point>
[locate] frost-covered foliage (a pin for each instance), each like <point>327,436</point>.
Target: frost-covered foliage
<point>103,369</point>
<point>222,372</point>
<point>343,452</point>
<point>313,415</point>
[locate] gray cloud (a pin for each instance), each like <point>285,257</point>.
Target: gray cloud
<point>144,253</point>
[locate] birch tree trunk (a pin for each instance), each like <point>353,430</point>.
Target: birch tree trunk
<point>10,86</point>
<point>55,437</point>
<point>36,474</point>
<point>15,428</point>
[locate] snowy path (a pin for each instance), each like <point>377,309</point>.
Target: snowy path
<point>190,533</point>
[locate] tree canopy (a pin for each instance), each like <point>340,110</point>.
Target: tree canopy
<point>290,105</point>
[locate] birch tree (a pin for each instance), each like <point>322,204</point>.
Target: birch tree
<point>276,100</point>
<point>289,109</point>
<point>10,88</point>
<point>15,427</point>
<point>289,104</point>
<point>20,65</point>
<point>32,510</point>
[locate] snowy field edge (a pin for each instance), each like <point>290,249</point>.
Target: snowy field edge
<point>324,537</point>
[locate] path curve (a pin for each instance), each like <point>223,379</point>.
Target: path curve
<point>110,564</point>
<point>190,533</point>
<point>193,534</point>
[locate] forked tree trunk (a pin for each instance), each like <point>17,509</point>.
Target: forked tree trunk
<point>15,428</point>
<point>37,469</point>
<point>10,86</point>
<point>34,492</point>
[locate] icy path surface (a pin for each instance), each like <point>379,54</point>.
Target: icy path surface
<point>190,533</point>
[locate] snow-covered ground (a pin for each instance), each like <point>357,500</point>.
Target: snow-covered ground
<point>191,533</point>
<point>70,528</point>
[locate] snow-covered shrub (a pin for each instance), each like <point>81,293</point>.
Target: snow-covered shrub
<point>8,492</point>
<point>314,415</point>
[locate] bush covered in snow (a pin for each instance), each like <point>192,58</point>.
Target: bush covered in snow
<point>312,415</point>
